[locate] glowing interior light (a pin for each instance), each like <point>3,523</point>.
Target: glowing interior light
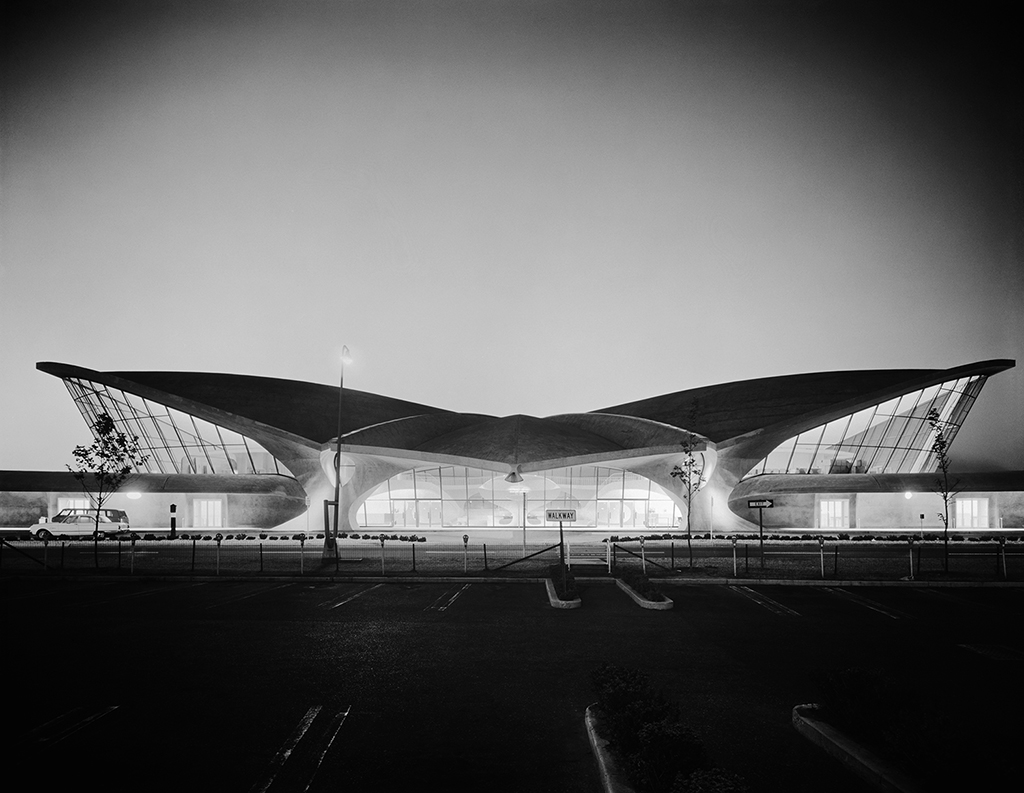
<point>908,494</point>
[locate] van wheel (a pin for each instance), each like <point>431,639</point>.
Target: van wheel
<point>44,534</point>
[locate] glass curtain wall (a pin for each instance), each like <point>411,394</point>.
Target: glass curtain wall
<point>891,437</point>
<point>175,442</point>
<point>457,497</point>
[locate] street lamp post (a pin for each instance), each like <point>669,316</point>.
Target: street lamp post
<point>515,490</point>
<point>331,543</point>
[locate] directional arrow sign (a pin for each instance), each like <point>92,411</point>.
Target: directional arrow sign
<point>761,503</point>
<point>558,515</point>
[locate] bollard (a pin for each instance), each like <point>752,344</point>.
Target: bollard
<point>46,554</point>
<point>414,557</point>
<point>643,556</point>
<point>193,554</point>
<point>835,563</point>
<point>735,573</point>
<point>261,556</point>
<point>910,543</point>
<point>382,538</point>
<point>1002,553</point>
<point>118,553</point>
<point>62,554</point>
<point>672,549</point>
<point>485,557</point>
<point>821,553</point>
<point>131,557</point>
<point>465,554</point>
<point>746,559</point>
<point>302,554</point>
<point>218,538</point>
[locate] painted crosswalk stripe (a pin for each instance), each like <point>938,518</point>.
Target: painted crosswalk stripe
<point>764,601</point>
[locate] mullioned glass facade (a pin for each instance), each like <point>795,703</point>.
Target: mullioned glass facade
<point>456,496</point>
<point>891,437</point>
<point>174,442</point>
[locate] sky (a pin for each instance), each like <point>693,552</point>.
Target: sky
<point>508,207</point>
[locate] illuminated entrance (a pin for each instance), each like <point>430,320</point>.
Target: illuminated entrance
<point>459,497</point>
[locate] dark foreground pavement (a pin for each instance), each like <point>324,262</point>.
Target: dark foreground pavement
<point>368,687</point>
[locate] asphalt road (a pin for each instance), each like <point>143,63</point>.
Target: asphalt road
<point>249,686</point>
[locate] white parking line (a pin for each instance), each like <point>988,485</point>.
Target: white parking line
<point>286,749</point>
<point>766,602</point>
<point>438,606</point>
<point>357,594</point>
<point>68,723</point>
<point>243,597</point>
<point>860,600</point>
<point>333,729</point>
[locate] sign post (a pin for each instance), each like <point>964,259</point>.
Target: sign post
<point>760,504</point>
<point>561,515</point>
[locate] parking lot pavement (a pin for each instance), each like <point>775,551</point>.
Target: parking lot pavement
<point>468,685</point>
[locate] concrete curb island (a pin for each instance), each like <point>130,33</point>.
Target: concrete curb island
<point>613,779</point>
<point>557,602</point>
<point>863,762</point>
<point>641,601</point>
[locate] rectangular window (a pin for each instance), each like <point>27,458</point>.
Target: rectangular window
<point>834,513</point>
<point>972,513</point>
<point>206,513</point>
<point>72,503</point>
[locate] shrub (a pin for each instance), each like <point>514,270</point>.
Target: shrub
<point>555,574</point>
<point>149,537</point>
<point>642,585</point>
<point>263,535</point>
<point>646,729</point>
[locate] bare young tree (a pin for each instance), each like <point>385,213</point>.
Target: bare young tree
<point>945,488</point>
<point>690,473</point>
<point>104,466</point>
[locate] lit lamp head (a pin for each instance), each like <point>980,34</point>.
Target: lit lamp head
<point>908,495</point>
<point>345,357</point>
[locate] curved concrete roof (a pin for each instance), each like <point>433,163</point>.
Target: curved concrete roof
<point>725,411</point>
<point>308,410</point>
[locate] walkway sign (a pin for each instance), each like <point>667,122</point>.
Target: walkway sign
<point>761,503</point>
<point>553,515</point>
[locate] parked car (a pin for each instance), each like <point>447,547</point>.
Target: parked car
<point>79,522</point>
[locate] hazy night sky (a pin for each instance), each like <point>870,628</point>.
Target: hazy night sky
<point>508,207</point>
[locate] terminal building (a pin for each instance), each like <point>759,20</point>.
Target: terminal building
<point>831,451</point>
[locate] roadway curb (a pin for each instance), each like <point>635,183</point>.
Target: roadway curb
<point>557,602</point>
<point>863,762</point>
<point>641,601</point>
<point>612,777</point>
<point>52,575</point>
